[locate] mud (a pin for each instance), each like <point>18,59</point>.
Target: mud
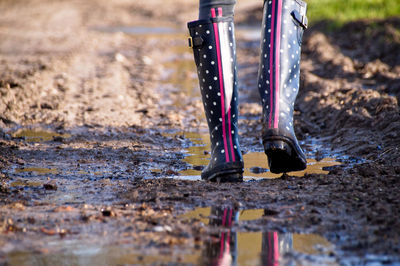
<point>103,138</point>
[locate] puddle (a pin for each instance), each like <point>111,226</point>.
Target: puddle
<point>255,163</point>
<point>38,135</point>
<point>253,248</point>
<point>25,183</point>
<point>223,246</point>
<point>37,170</point>
<point>180,75</point>
<point>44,171</point>
<point>75,253</point>
<point>179,88</point>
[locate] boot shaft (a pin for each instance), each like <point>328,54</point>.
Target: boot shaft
<point>214,51</point>
<point>278,78</point>
<point>278,81</point>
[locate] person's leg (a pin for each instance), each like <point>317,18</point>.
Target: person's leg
<point>278,81</point>
<point>214,49</point>
<point>206,5</point>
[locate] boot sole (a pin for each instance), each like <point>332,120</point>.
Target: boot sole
<point>224,175</point>
<point>282,156</point>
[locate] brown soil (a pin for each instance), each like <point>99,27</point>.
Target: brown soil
<point>65,67</point>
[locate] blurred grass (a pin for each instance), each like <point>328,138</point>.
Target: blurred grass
<point>339,12</point>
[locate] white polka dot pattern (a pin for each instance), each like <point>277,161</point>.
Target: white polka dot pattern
<point>215,60</point>
<point>278,96</point>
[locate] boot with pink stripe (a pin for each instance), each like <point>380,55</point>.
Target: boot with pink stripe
<point>214,51</point>
<point>278,81</point>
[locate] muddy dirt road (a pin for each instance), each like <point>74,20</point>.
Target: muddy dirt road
<point>102,140</point>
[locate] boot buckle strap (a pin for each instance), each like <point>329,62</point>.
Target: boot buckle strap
<point>190,41</point>
<point>301,19</point>
<point>195,42</point>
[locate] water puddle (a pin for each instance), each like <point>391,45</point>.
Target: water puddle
<point>25,183</point>
<point>223,246</point>
<point>38,135</point>
<point>76,253</point>
<point>179,88</point>
<point>37,170</point>
<point>255,163</point>
<point>253,248</point>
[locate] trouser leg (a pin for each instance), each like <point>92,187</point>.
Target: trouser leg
<point>206,5</point>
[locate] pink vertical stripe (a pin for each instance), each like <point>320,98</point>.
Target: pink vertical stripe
<point>224,217</point>
<point>220,11</point>
<point>230,218</point>
<point>213,12</point>
<point>276,249</point>
<point>229,111</point>
<point>230,134</point>
<point>277,62</point>
<point>228,237</point>
<point>221,83</point>
<point>271,63</point>
<point>222,241</point>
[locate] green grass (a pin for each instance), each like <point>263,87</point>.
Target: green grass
<point>343,11</point>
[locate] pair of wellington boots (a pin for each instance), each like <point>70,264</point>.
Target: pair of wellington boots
<point>214,49</point>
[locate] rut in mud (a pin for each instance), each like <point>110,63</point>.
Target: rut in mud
<point>103,139</point>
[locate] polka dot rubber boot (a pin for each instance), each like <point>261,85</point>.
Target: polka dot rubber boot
<point>214,51</point>
<point>278,82</point>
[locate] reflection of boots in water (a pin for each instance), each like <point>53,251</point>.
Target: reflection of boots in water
<point>278,81</point>
<point>213,43</point>
<point>273,246</point>
<point>222,249</point>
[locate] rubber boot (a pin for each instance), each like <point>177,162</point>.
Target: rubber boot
<point>278,81</point>
<point>214,51</point>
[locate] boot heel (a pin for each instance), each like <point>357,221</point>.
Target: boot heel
<point>273,146</point>
<point>279,154</point>
<point>282,158</point>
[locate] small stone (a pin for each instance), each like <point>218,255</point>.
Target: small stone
<point>52,185</point>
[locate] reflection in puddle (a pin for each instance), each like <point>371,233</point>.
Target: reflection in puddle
<point>37,170</point>
<point>36,135</point>
<point>224,246</point>
<point>254,162</point>
<point>228,247</point>
<point>75,253</point>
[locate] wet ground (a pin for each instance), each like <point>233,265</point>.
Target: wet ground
<point>103,140</point>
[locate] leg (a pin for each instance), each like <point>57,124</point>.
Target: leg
<point>213,43</point>
<point>206,5</point>
<point>278,81</point>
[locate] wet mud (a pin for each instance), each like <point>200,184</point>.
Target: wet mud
<point>102,141</point>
